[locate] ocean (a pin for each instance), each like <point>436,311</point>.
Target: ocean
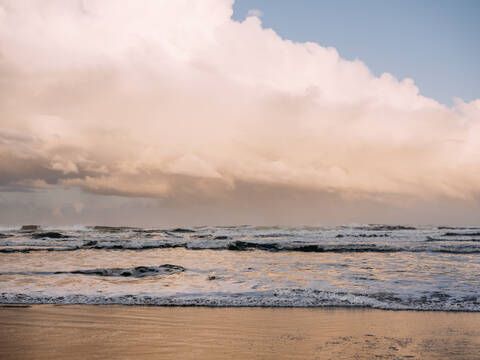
<point>369,266</point>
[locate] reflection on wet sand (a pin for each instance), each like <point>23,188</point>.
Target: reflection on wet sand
<point>120,332</point>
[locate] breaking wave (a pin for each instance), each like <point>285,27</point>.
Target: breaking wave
<point>297,297</point>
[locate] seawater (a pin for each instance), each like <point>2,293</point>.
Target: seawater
<point>376,266</point>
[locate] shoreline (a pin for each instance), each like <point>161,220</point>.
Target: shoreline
<point>150,332</point>
<point>327,307</point>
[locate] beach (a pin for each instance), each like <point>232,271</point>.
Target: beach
<point>149,332</point>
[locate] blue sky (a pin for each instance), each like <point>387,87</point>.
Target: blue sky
<point>434,42</point>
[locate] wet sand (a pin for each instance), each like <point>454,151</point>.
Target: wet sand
<point>135,332</point>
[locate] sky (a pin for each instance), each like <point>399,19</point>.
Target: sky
<point>157,113</point>
<point>431,41</point>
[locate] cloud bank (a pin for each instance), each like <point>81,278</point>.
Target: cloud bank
<point>175,100</point>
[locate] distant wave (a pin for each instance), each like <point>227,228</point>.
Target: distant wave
<point>375,227</point>
<point>429,238</point>
<point>462,234</point>
<point>239,245</point>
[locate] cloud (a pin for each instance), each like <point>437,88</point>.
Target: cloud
<point>175,100</point>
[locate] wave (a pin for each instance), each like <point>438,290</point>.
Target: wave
<point>461,234</point>
<point>50,235</point>
<point>361,235</point>
<point>285,297</point>
<point>375,227</point>
<point>274,235</point>
<point>149,231</point>
<point>245,245</point>
<point>181,230</point>
<point>136,272</point>
<point>240,245</point>
<point>430,239</point>
<point>277,229</point>
<point>102,228</point>
<point>458,228</point>
<point>350,248</point>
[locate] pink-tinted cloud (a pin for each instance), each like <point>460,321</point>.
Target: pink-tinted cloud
<point>173,98</point>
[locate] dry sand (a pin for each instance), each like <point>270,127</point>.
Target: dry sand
<point>123,332</point>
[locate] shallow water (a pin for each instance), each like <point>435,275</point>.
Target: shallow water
<point>378,266</point>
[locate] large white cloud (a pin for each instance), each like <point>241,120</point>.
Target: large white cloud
<point>173,98</point>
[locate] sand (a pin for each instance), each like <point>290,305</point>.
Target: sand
<point>135,332</point>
